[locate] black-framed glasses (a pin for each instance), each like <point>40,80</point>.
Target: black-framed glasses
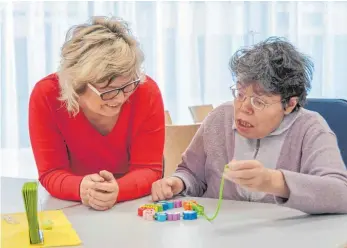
<point>110,94</point>
<point>256,102</point>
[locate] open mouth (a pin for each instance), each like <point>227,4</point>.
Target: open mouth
<point>112,106</point>
<point>244,124</point>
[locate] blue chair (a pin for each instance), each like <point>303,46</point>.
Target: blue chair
<point>334,111</point>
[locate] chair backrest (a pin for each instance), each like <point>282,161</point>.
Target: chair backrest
<point>334,111</point>
<point>177,139</point>
<point>168,119</point>
<point>200,112</point>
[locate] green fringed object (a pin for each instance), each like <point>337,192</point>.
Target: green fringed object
<point>30,197</point>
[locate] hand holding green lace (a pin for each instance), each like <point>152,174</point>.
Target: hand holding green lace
<point>255,177</point>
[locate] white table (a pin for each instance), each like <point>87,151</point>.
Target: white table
<point>239,224</point>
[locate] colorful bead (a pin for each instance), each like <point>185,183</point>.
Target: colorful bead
<point>170,205</point>
<point>165,205</point>
<point>187,205</point>
<point>190,215</point>
<point>148,214</point>
<point>161,217</point>
<point>140,211</point>
<point>177,204</point>
<point>160,208</point>
<point>198,208</point>
<point>173,216</point>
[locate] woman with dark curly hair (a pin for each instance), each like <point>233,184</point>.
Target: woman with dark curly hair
<point>276,151</point>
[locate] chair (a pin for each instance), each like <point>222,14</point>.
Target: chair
<point>334,111</point>
<point>168,119</point>
<point>177,139</point>
<point>200,112</point>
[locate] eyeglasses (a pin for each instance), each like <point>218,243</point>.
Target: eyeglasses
<point>256,102</point>
<point>110,94</point>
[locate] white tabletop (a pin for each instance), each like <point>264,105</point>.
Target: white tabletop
<point>239,224</point>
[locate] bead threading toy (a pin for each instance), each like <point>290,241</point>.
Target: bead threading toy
<point>191,208</point>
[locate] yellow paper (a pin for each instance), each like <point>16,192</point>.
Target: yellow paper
<point>17,235</point>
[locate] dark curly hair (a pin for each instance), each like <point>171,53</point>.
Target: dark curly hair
<point>277,66</point>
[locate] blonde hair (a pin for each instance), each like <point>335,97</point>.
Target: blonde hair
<point>93,53</point>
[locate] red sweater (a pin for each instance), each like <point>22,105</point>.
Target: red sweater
<point>66,148</point>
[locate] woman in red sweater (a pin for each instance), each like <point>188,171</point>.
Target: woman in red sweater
<point>97,126</point>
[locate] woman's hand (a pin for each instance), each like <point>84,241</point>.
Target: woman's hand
<point>86,184</point>
<point>166,188</point>
<point>103,194</point>
<point>254,176</point>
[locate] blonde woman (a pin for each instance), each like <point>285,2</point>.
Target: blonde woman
<point>97,125</point>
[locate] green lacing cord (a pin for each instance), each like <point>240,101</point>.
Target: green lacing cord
<point>219,204</point>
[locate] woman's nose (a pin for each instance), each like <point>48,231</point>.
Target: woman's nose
<point>246,106</point>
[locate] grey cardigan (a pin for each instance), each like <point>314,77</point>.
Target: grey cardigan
<point>309,159</point>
